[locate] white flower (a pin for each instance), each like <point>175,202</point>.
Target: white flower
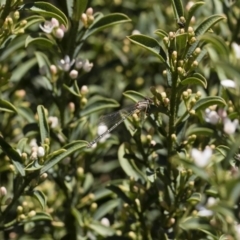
<point>65,64</point>
<point>73,74</point>
<point>87,66</point>
<point>211,201</point>
<point>203,212</point>
<point>136,32</point>
<point>53,121</point>
<point>229,126</point>
<point>3,191</point>
<point>84,90</point>
<point>58,33</point>
<point>105,222</point>
<point>228,83</point>
<point>33,142</point>
<point>49,25</point>
<point>211,116</point>
<point>201,158</point>
<point>236,49</point>
<point>40,152</point>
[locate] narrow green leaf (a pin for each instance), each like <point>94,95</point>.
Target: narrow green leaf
<point>128,165</point>
<point>22,70</point>
<point>191,13</point>
<point>79,7</point>
<point>43,63</point>
<point>177,8</point>
<point>7,106</point>
<point>47,10</point>
<point>150,44</point>
<point>13,155</point>
<point>22,144</point>
<point>195,197</point>
<point>206,102</point>
<point>41,42</point>
<point>202,28</point>
<point>40,197</point>
<point>43,123</point>
<point>98,103</point>
<point>161,33</point>
<point>88,182</point>
<point>70,148</point>
<point>217,43</point>
<point>33,166</point>
<point>71,90</point>
<point>40,216</point>
<point>194,81</point>
<point>31,21</point>
<point>106,208</point>
<point>199,131</point>
<point>208,23</point>
<point>133,95</point>
<point>105,22</point>
<point>181,41</point>
<point>101,229</point>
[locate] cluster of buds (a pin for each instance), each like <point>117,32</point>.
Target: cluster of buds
<point>66,64</point>
<point>54,28</point>
<point>87,18</point>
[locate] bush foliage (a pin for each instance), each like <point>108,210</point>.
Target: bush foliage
<point>168,71</point>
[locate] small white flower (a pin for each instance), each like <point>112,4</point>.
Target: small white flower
<point>84,90</point>
<point>49,25</point>
<point>101,130</point>
<point>201,158</point>
<point>65,64</point>
<point>105,222</point>
<point>53,121</point>
<point>136,32</point>
<point>228,83</point>
<point>40,152</point>
<point>58,33</point>
<point>236,49</point>
<point>211,116</point>
<point>3,191</point>
<point>79,63</point>
<point>87,66</point>
<point>33,143</point>
<point>211,201</point>
<point>73,74</point>
<point>203,212</point>
<point>229,126</point>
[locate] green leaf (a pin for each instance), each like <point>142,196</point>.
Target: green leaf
<point>177,8</point>
<point>202,28</point>
<point>40,197</point>
<point>70,148</point>
<point>22,70</point>
<point>13,155</point>
<point>206,102</point>
<point>88,182</point>
<point>101,229</point>
<point>31,21</point>
<point>199,131</point>
<point>217,43</point>
<point>79,8</point>
<point>195,197</point>
<point>22,144</point>
<point>106,208</point>
<point>40,42</point>
<point>43,63</point>
<point>47,10</point>
<point>72,90</point>
<point>27,114</point>
<point>191,13</point>
<point>33,166</point>
<point>194,81</point>
<point>161,33</point>
<point>128,165</point>
<point>7,106</point>
<point>105,22</point>
<point>40,216</point>
<point>150,44</point>
<point>181,41</point>
<point>133,95</point>
<point>98,103</point>
<point>43,123</point>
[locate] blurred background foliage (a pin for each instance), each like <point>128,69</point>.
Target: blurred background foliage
<point>108,192</point>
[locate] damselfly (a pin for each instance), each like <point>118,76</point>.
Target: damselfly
<point>115,119</point>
